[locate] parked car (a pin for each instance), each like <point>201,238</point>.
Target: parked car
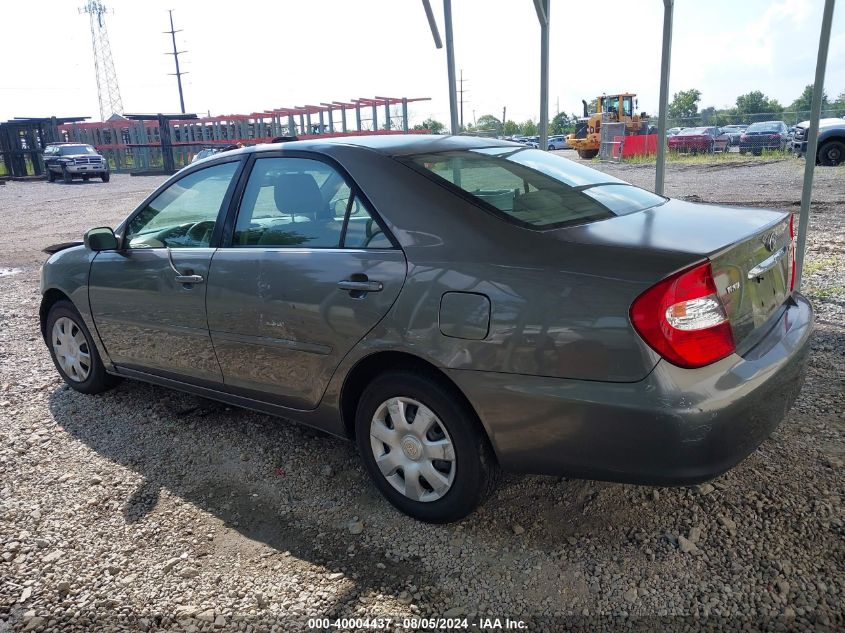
<point>699,139</point>
<point>205,152</point>
<point>454,305</point>
<point>734,132</point>
<point>831,141</point>
<point>770,135</point>
<point>532,141</point>
<point>672,131</point>
<point>558,142</point>
<point>74,160</point>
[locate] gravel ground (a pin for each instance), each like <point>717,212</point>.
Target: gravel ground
<point>146,509</point>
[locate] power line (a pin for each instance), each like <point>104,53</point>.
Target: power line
<point>176,54</point>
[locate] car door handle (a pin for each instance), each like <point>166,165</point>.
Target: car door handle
<point>360,286</point>
<point>189,279</point>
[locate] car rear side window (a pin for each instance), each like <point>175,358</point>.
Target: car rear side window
<point>535,189</point>
<point>303,203</point>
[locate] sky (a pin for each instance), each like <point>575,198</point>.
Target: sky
<point>254,55</point>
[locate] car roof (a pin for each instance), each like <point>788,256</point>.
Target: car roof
<point>391,144</point>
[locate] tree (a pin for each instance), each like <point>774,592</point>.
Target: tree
<point>510,128</point>
<point>562,123</point>
<point>528,128</point>
<point>804,103</point>
<point>755,106</point>
<point>838,106</point>
<point>685,105</point>
<point>433,126</point>
<point>489,123</point>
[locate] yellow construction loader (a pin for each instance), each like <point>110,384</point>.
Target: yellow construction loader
<point>609,109</point>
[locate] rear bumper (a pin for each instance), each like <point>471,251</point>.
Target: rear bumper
<point>676,427</point>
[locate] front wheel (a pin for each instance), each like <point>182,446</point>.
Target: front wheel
<point>73,350</point>
<point>66,177</point>
<point>105,176</point>
<point>588,153</point>
<point>51,176</point>
<point>423,448</point>
<point>832,153</point>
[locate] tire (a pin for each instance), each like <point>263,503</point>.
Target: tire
<point>588,153</point>
<point>551,148</point>
<point>51,177</point>
<point>466,479</point>
<point>66,177</point>
<point>757,152</point>
<point>742,151</point>
<point>86,178</point>
<point>711,149</point>
<point>71,326</point>
<point>105,176</point>
<point>832,153</point>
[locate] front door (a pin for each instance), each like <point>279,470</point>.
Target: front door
<point>308,273</point>
<point>148,298</point>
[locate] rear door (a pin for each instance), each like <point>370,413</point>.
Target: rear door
<point>307,272</point>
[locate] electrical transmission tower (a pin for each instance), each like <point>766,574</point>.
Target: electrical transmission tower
<point>108,91</point>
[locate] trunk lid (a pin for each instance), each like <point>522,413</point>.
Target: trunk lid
<point>750,250</point>
<point>753,278</point>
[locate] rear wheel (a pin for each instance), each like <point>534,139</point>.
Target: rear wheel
<point>423,448</point>
<point>588,153</point>
<point>742,151</point>
<point>832,153</point>
<point>73,350</point>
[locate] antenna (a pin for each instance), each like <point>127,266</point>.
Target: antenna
<point>108,92</point>
<point>176,54</point>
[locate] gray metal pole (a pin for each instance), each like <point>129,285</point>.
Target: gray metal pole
<point>660,170</point>
<point>450,63</point>
<point>432,23</point>
<point>812,140</point>
<point>542,7</point>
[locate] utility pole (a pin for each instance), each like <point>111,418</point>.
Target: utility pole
<point>461,91</point>
<point>176,54</point>
<point>450,67</point>
<point>504,118</point>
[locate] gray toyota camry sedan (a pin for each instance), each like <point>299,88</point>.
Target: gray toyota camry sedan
<point>453,305</point>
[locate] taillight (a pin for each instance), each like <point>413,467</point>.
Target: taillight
<point>792,248</point>
<point>683,319</point>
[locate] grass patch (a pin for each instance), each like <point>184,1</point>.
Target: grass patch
<point>826,293</point>
<point>811,268</point>
<point>707,159</point>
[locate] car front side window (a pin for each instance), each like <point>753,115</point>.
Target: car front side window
<point>185,214</point>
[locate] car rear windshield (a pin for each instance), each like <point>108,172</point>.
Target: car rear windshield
<point>764,127</point>
<point>70,150</point>
<point>694,131</point>
<point>535,189</point>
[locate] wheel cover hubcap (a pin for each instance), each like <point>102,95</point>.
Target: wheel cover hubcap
<point>71,349</point>
<point>413,449</point>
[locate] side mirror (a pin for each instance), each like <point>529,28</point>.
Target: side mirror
<point>100,239</point>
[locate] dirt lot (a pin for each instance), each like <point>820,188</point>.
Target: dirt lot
<point>145,509</point>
